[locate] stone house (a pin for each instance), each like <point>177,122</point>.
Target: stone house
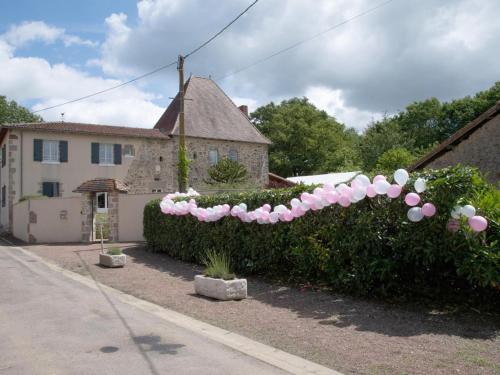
<point>64,159</point>
<point>476,144</point>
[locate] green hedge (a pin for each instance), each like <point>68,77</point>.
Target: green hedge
<point>368,248</point>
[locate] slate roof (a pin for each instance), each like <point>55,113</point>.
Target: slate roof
<point>102,185</point>
<point>74,127</point>
<point>209,113</point>
<point>457,137</point>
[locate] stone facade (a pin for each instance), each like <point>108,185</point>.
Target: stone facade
<point>87,217</point>
<point>251,155</point>
<point>113,216</point>
<point>12,156</point>
<point>481,150</point>
<point>153,168</point>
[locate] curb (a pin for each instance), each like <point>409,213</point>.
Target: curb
<point>272,356</point>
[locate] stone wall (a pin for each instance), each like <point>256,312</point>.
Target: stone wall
<point>12,155</point>
<point>252,155</point>
<point>153,167</point>
<point>481,150</point>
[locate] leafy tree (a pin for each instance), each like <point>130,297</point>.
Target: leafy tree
<point>305,139</point>
<point>11,112</point>
<point>393,159</point>
<point>380,137</point>
<point>226,171</point>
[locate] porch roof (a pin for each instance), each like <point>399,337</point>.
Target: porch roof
<point>102,185</point>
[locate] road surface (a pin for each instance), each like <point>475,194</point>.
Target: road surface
<point>51,324</point>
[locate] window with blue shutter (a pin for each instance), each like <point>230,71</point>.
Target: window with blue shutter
<point>117,154</point>
<point>50,189</point>
<point>94,158</point>
<point>37,149</point>
<point>4,155</point>
<point>63,151</point>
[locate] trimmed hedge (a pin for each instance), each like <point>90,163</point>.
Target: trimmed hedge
<point>368,248</point>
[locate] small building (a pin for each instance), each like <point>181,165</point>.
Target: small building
<point>321,179</point>
<point>65,159</point>
<point>476,144</point>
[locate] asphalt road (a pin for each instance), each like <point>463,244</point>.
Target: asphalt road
<point>51,324</point>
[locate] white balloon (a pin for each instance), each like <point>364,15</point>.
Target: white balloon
<point>381,186</point>
<point>295,202</point>
<point>360,193</point>
<point>401,177</point>
<point>468,210</point>
<point>273,217</point>
<point>420,185</point>
<point>362,180</point>
<point>456,212</point>
<point>341,188</point>
<point>415,214</point>
<point>243,206</point>
<point>280,209</point>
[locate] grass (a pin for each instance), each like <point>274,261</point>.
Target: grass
<point>114,251</point>
<point>218,266</point>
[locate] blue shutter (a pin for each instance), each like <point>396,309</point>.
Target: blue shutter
<point>63,151</point>
<point>117,154</point>
<point>94,157</point>
<point>37,150</point>
<point>48,189</point>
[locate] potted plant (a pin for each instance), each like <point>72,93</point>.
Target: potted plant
<point>112,258</point>
<point>218,281</point>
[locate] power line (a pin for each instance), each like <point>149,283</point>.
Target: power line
<point>222,30</point>
<point>305,40</point>
<point>109,88</point>
<point>155,70</point>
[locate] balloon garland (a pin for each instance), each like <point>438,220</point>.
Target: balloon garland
<point>325,196</point>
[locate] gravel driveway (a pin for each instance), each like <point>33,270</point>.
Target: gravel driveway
<point>346,334</point>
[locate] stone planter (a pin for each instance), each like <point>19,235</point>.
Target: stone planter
<point>220,289</point>
<point>113,261</point>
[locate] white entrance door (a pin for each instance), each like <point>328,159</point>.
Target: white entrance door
<point>102,203</point>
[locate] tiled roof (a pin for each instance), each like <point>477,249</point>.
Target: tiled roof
<point>209,113</point>
<point>74,127</point>
<point>457,137</point>
<point>102,185</point>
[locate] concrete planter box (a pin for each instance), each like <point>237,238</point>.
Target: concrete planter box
<point>220,289</point>
<point>113,261</point>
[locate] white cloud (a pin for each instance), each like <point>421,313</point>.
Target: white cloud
<point>20,35</point>
<point>333,102</point>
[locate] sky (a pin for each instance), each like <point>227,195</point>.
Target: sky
<point>53,51</point>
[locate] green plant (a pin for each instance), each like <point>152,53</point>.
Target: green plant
<point>369,248</point>
<point>217,265</point>
<point>226,171</point>
<point>114,251</point>
<point>183,169</point>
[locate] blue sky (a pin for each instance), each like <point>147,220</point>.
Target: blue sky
<point>52,51</point>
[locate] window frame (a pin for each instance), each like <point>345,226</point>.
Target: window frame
<point>210,151</point>
<point>52,155</point>
<point>104,155</point>
<point>101,210</point>
<point>234,152</point>
<point>128,155</point>
<point>56,189</point>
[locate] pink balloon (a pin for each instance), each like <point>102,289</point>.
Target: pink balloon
<point>344,201</point>
<point>287,216</point>
<point>429,209</point>
<point>370,191</point>
<point>394,191</point>
<point>378,178</point>
<point>412,199</point>
<point>266,207</point>
<point>328,187</point>
<point>478,223</point>
<point>332,197</point>
<point>304,197</point>
<point>265,215</point>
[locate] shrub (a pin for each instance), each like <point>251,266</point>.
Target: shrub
<point>114,251</point>
<point>217,265</point>
<point>227,171</point>
<point>393,159</point>
<point>369,248</point>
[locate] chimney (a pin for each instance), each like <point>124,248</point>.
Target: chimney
<point>244,109</point>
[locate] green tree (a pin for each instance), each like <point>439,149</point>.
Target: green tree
<point>305,139</point>
<point>393,159</point>
<point>380,137</point>
<point>226,171</point>
<point>11,112</point>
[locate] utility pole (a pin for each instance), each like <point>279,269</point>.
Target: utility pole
<point>183,164</point>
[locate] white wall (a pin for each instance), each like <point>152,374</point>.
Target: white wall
<point>20,221</point>
<point>130,215</point>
